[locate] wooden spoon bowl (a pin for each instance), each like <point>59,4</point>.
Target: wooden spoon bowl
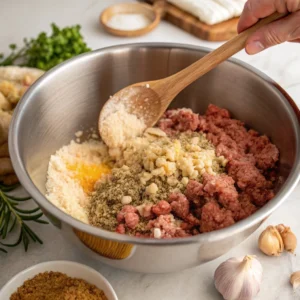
<point>147,10</point>
<point>139,99</point>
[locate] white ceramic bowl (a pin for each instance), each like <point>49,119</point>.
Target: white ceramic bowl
<point>70,268</point>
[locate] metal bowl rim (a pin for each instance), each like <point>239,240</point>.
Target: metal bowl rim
<point>240,226</point>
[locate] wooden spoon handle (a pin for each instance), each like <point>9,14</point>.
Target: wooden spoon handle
<point>177,82</point>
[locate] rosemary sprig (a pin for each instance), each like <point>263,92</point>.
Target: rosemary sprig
<point>11,216</point>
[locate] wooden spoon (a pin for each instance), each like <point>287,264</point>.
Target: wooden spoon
<point>149,100</point>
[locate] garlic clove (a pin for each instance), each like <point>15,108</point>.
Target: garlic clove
<point>270,242</point>
<point>280,228</point>
<point>239,278</point>
<point>288,237</point>
<point>290,242</point>
<point>295,279</point>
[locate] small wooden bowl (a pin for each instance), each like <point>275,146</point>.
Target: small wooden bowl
<point>130,8</point>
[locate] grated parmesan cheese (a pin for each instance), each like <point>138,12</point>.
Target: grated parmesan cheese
<point>72,172</point>
<point>120,126</point>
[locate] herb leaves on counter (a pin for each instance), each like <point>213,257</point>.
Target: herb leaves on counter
<point>45,52</point>
<point>11,216</point>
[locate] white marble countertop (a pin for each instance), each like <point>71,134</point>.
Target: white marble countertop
<point>19,19</point>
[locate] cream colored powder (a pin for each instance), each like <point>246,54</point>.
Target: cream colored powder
<point>62,189</point>
<point>120,126</point>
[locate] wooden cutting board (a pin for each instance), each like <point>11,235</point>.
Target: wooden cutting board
<point>219,32</point>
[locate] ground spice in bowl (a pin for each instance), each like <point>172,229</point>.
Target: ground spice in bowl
<point>58,286</point>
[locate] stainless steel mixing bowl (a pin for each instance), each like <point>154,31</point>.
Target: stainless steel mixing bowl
<point>70,97</point>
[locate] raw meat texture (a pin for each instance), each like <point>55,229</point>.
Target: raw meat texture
<point>265,153</point>
<point>129,215</point>
<point>166,224</point>
<point>125,210</point>
<point>180,205</point>
<point>223,188</point>
<point>178,121</point>
<point>121,229</point>
<point>194,192</point>
<point>219,200</point>
<point>213,217</point>
<point>131,220</point>
<point>161,208</point>
<point>246,174</point>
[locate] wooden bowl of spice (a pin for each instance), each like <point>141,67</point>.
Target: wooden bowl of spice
<point>58,280</point>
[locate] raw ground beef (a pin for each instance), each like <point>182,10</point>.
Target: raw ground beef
<point>179,120</point>
<point>129,216</point>
<point>217,201</point>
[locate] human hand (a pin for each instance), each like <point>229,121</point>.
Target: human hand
<point>285,29</point>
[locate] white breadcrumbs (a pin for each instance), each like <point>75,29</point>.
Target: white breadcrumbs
<point>120,126</point>
<point>72,173</point>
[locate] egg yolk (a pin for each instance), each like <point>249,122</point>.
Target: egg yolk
<point>88,174</point>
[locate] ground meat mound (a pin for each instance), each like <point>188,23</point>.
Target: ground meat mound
<point>222,187</point>
<point>215,201</point>
<point>266,154</point>
<point>167,226</point>
<point>180,205</point>
<point>161,208</point>
<point>175,120</point>
<point>129,216</point>
<point>214,217</point>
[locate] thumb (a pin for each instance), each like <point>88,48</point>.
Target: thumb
<point>275,33</point>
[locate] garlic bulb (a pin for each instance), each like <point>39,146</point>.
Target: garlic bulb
<point>288,237</point>
<point>270,241</point>
<point>239,278</point>
<point>295,279</point>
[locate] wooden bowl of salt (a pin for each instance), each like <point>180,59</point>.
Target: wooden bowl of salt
<point>131,19</point>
